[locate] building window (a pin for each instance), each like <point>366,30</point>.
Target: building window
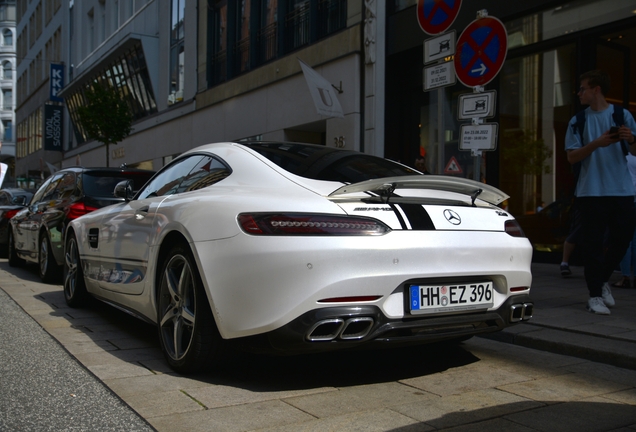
<point>7,37</point>
<point>7,99</point>
<point>128,73</point>
<point>246,34</point>
<point>7,70</point>
<point>177,56</point>
<point>218,43</point>
<point>8,130</point>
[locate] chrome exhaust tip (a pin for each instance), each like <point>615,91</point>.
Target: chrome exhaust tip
<point>356,328</point>
<point>325,330</point>
<point>521,312</point>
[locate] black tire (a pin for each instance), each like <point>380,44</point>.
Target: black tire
<point>48,269</point>
<point>14,259</point>
<point>75,292</point>
<point>189,338</point>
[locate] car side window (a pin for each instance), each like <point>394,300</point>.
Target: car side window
<point>167,181</point>
<point>66,186</point>
<point>4,198</point>
<point>50,193</point>
<point>207,172</point>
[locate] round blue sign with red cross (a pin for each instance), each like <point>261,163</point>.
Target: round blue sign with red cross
<point>481,51</point>
<point>436,16</point>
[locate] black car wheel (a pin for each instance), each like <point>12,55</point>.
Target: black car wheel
<point>14,260</point>
<point>47,266</point>
<point>74,285</point>
<point>189,337</point>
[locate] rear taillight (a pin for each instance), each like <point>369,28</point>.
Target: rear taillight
<point>10,213</point>
<point>298,224</point>
<point>514,229</point>
<point>79,209</point>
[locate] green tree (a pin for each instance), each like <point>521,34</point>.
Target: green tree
<point>105,117</point>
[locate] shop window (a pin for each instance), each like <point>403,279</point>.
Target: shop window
<point>177,54</point>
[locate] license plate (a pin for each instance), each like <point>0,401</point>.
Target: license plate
<point>451,297</point>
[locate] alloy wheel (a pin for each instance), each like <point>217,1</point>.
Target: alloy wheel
<point>177,307</point>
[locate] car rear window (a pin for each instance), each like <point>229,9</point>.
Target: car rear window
<point>327,163</point>
<point>102,184</point>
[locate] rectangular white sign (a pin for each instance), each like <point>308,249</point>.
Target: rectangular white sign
<point>477,105</point>
<point>478,137</point>
<point>439,47</point>
<point>439,76</point>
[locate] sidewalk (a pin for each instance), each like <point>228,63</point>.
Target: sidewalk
<point>561,324</point>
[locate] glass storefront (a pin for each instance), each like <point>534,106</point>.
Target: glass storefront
<point>536,97</point>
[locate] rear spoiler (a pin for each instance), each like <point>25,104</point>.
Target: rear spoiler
<point>385,186</point>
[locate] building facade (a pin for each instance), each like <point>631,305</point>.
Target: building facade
<point>7,86</point>
<point>198,71</point>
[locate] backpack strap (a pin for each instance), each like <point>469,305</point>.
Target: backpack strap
<point>619,120</point>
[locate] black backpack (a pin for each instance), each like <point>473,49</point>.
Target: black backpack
<point>619,119</point>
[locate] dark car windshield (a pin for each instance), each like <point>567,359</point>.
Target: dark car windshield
<point>328,163</point>
<point>102,184</point>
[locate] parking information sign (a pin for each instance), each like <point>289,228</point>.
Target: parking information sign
<point>439,76</point>
<point>439,47</point>
<point>478,137</point>
<point>481,51</point>
<point>436,16</point>
<point>477,105</point>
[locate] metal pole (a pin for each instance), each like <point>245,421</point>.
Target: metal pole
<point>440,130</point>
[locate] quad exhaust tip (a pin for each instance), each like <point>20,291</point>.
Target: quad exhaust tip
<point>521,312</point>
<point>338,328</point>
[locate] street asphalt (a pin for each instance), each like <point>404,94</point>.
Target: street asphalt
<point>98,369</point>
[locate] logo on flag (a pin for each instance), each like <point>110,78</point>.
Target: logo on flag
<point>322,92</point>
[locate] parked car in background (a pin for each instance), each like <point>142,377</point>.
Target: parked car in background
<point>36,232</point>
<point>12,200</point>
<point>297,248</point>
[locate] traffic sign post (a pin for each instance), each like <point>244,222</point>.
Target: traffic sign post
<point>436,16</point>
<point>481,51</point>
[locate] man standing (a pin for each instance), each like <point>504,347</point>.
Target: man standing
<point>604,191</point>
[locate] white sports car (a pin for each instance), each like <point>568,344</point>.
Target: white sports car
<point>294,248</point>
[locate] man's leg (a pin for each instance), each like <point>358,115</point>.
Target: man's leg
<point>593,228</point>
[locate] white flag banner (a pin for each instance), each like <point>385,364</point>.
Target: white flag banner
<point>51,167</point>
<point>3,171</point>
<point>322,92</point>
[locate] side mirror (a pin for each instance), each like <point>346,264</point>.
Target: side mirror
<point>19,200</point>
<point>124,190</point>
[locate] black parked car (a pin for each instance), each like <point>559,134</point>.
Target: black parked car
<point>36,232</point>
<point>12,200</point>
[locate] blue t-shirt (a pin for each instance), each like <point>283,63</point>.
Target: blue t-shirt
<point>604,172</point>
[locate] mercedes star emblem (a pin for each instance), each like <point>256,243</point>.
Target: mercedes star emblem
<point>452,217</point>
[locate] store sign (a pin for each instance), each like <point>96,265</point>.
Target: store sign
<point>56,83</point>
<point>53,127</point>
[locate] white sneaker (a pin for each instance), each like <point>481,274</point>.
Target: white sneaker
<point>607,295</point>
<point>597,305</point>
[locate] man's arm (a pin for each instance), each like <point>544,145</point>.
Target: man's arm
<point>625,133</point>
<point>577,155</point>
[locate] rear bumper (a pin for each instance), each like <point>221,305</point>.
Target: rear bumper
<point>351,327</point>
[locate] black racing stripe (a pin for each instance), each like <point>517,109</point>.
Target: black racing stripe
<point>418,217</point>
<point>399,216</point>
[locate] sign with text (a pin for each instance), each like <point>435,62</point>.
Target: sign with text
<point>439,47</point>
<point>56,82</point>
<point>53,127</point>
<point>477,105</point>
<point>439,76</point>
<point>478,137</point>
